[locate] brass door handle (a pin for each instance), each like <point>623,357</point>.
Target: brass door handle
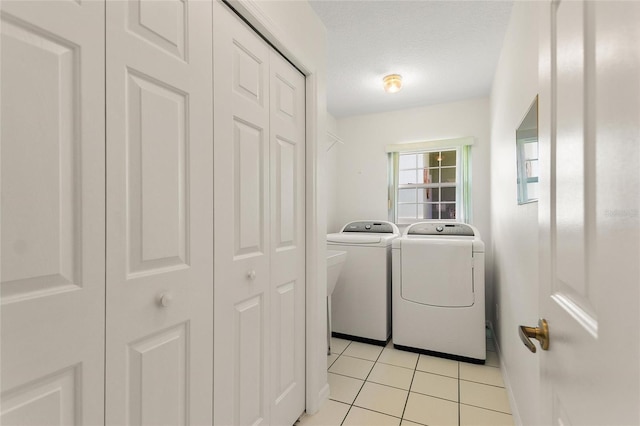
<point>540,333</point>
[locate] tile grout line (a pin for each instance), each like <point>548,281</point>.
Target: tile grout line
<point>379,412</point>
<point>350,405</point>
<point>438,374</point>
<point>415,368</point>
<point>441,398</point>
<point>363,383</point>
<point>363,359</point>
<point>459,420</point>
<point>482,383</point>
<point>487,409</point>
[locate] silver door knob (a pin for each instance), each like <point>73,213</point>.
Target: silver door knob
<point>251,275</point>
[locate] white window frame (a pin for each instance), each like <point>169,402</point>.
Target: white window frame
<point>463,176</point>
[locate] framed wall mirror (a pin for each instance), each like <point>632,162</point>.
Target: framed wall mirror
<point>527,155</point>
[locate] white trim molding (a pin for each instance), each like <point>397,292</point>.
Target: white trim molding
<point>427,145</point>
<point>515,413</point>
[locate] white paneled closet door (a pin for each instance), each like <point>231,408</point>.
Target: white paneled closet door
<point>160,213</point>
<point>242,218</point>
<point>287,250</point>
<point>259,179</point>
<point>52,168</point>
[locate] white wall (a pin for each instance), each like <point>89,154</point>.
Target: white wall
<point>514,227</point>
<point>361,190</point>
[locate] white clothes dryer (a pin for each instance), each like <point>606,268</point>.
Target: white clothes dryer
<point>361,301</point>
<point>438,291</point>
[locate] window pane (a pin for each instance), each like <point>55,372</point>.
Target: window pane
<point>531,168</point>
<point>447,211</point>
<point>428,194</point>
<point>530,151</point>
<point>423,160</point>
<point>448,174</point>
<point>448,194</point>
<point>448,158</point>
<point>425,211</point>
<point>406,211</point>
<point>433,159</point>
<point>424,195</point>
<point>434,176</point>
<point>432,211</point>
<point>407,176</point>
<point>426,175</point>
<point>408,161</point>
<point>407,195</point>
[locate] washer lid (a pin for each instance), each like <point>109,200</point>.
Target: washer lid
<point>355,238</point>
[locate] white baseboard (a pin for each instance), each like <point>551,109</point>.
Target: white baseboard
<point>507,383</point>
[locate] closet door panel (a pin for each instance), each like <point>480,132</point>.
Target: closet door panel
<point>241,176</point>
<point>287,250</point>
<point>157,172</point>
<point>160,213</point>
<point>248,164</point>
<point>154,398</point>
<point>52,178</point>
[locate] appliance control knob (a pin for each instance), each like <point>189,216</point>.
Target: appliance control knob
<point>439,228</point>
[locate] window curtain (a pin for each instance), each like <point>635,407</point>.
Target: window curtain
<point>466,183</point>
<point>394,165</point>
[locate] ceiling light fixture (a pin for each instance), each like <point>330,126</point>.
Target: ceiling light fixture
<point>392,83</point>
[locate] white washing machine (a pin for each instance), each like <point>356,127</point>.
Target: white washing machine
<point>361,301</point>
<point>438,291</point>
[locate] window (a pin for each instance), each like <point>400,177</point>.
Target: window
<point>429,184</point>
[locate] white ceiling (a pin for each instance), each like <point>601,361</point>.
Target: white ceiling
<point>444,50</point>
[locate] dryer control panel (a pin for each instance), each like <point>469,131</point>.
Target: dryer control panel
<point>370,226</point>
<point>436,228</point>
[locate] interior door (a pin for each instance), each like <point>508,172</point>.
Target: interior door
<point>259,179</point>
<point>589,212</point>
<point>242,218</point>
<point>52,281</point>
<point>160,213</point>
<point>287,177</point>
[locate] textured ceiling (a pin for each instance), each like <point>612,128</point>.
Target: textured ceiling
<point>444,50</point>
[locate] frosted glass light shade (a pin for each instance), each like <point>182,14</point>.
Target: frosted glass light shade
<point>392,83</point>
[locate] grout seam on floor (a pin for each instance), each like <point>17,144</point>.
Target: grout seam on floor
<point>409,391</point>
<point>363,383</point>
<point>413,376</point>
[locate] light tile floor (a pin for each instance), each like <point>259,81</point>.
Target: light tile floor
<point>371,386</point>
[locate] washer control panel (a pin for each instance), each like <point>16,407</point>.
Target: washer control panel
<point>431,228</point>
<point>372,227</point>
